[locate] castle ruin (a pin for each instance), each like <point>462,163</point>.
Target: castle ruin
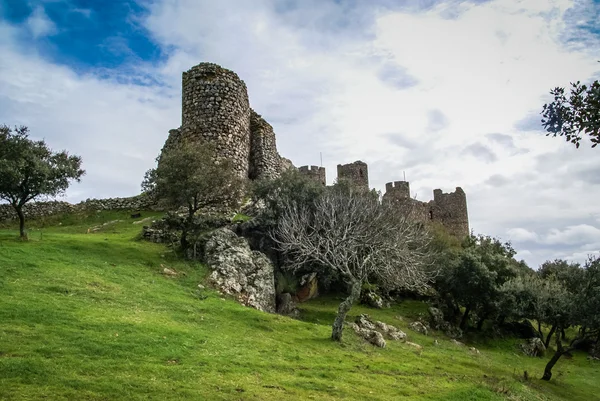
<point>215,108</point>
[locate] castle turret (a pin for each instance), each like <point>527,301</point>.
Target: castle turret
<point>397,191</point>
<point>315,173</point>
<point>451,211</point>
<point>215,108</point>
<point>356,173</point>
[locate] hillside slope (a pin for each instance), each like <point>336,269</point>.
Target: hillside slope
<point>92,317</point>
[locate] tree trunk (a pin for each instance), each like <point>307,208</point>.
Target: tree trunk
<point>19,210</point>
<point>480,322</point>
<point>547,342</point>
<point>338,324</point>
<point>548,370</point>
<point>540,333</point>
<point>465,318</point>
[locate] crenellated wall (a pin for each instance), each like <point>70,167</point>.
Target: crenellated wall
<point>315,173</point>
<point>448,209</point>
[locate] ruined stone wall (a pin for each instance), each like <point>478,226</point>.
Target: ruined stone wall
<point>450,210</point>
<point>315,173</point>
<point>356,173</point>
<point>215,108</point>
<point>265,162</point>
<point>396,190</point>
<point>37,210</point>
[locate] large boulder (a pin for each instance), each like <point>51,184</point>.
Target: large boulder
<point>436,318</point>
<point>237,270</point>
<point>534,347</point>
<point>437,322</point>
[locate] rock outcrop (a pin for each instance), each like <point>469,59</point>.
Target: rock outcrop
<point>534,347</point>
<point>238,271</point>
<point>374,332</point>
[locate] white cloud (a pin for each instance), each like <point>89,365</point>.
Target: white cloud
<point>403,90</point>
<point>39,24</point>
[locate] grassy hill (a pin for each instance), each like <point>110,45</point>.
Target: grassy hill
<point>90,316</point>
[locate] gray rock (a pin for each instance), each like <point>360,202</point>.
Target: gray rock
<point>534,347</point>
<point>237,270</point>
<point>436,318</point>
<point>372,299</point>
<point>418,327</point>
<point>286,305</point>
<point>390,331</point>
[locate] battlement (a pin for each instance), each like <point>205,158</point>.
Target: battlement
<point>315,173</point>
<point>398,189</point>
<point>356,173</point>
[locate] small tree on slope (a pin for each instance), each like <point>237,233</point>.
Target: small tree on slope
<point>188,176</point>
<point>352,234</point>
<point>29,170</point>
<point>583,310</point>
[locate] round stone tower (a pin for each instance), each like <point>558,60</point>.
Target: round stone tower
<point>215,108</point>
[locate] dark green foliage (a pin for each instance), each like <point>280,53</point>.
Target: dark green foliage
<point>30,170</point>
<point>576,115</point>
<point>471,276</point>
<point>291,186</point>
<point>188,176</point>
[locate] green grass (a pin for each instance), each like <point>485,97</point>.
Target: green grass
<point>91,317</point>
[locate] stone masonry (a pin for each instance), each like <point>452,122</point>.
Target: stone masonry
<point>448,209</point>
<point>315,173</point>
<point>215,108</point>
<point>356,173</point>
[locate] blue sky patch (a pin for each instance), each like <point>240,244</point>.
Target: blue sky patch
<point>88,34</point>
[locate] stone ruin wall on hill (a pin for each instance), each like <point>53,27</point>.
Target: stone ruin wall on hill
<point>215,108</point>
<point>448,209</point>
<point>38,210</point>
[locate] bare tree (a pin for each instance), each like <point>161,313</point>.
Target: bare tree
<point>354,235</point>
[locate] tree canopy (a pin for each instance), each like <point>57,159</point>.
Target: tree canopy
<point>188,176</point>
<point>575,114</point>
<point>30,170</point>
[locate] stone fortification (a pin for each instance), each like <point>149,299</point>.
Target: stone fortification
<point>38,210</point>
<point>265,162</point>
<point>448,209</point>
<point>356,173</point>
<point>215,108</point>
<point>315,173</point>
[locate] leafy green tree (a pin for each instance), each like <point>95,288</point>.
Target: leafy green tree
<point>30,170</point>
<point>583,311</point>
<point>575,115</point>
<point>274,194</point>
<point>542,299</point>
<point>472,276</point>
<point>188,176</point>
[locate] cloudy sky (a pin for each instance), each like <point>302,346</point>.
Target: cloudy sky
<point>449,92</point>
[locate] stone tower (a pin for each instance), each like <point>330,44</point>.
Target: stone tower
<point>356,173</point>
<point>315,173</point>
<point>451,210</point>
<point>215,108</point>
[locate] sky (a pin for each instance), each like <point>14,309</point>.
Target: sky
<point>447,92</point>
